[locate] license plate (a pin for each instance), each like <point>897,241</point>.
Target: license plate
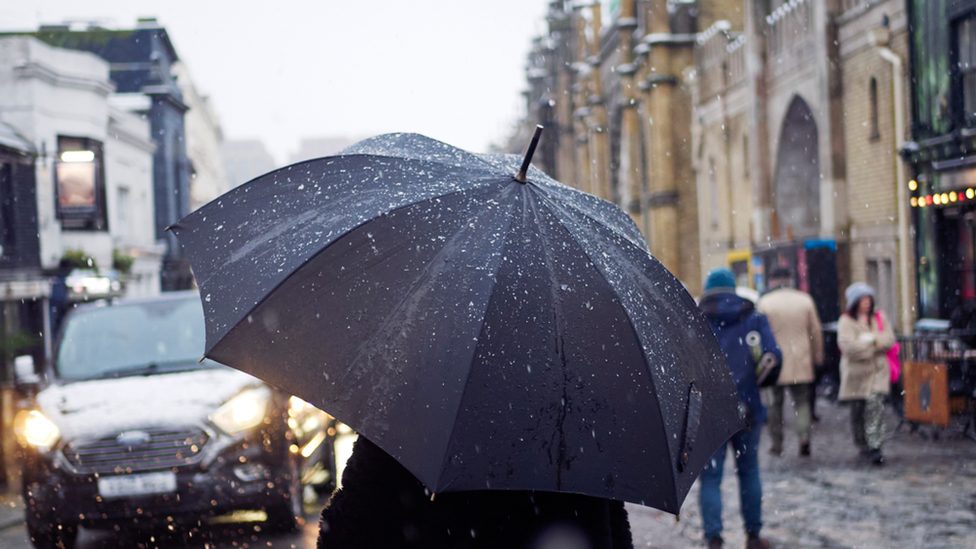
<point>137,485</point>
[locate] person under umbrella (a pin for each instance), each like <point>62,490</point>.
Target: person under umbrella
<point>381,504</point>
<point>484,325</point>
<point>732,318</point>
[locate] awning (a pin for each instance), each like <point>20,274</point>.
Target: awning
<point>11,139</point>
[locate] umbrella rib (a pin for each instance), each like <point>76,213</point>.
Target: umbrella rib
<point>549,204</point>
<point>486,181</point>
<point>413,286</point>
<point>400,304</point>
<point>560,333</point>
<point>387,212</point>
<point>243,188</point>
<point>481,331</point>
<point>549,199</point>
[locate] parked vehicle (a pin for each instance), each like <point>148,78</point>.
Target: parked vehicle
<point>130,428</point>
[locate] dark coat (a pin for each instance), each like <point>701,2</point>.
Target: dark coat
<point>382,505</point>
<point>731,318</point>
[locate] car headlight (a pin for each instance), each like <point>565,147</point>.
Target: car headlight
<point>39,430</point>
<point>243,412</point>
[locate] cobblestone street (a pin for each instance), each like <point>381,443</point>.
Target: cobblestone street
<point>924,495</point>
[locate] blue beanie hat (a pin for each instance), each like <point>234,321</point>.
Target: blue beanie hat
<point>720,280</point>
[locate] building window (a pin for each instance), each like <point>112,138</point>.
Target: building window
<point>713,191</point>
<point>7,236</point>
<point>965,81</point>
<point>745,156</point>
<point>873,99</point>
<point>80,184</point>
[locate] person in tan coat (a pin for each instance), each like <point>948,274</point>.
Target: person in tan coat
<point>793,318</point>
<point>864,337</point>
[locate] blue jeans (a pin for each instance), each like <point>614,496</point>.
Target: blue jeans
<point>745,443</point>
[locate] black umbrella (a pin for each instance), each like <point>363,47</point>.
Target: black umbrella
<point>488,333</point>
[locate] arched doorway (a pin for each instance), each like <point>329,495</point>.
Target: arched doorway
<point>797,186</point>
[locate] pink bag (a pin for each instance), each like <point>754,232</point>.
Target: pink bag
<point>894,363</point>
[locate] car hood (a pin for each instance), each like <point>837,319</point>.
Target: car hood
<point>99,407</point>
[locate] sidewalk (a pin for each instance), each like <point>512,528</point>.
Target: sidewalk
<point>924,495</point>
<point>11,504</point>
<point>11,509</point>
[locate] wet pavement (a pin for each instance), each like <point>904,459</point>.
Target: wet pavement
<point>241,530</point>
<point>923,496</point>
<point>237,531</point>
<point>233,535</point>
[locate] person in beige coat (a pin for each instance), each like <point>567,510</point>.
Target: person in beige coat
<point>864,374</point>
<point>793,318</point>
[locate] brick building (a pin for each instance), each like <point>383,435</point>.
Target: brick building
<point>721,137</point>
<point>874,54</point>
<point>796,147</point>
<point>608,82</point>
<point>742,133</point>
<point>769,142</point>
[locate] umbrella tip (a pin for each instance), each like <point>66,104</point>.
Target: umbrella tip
<point>520,176</point>
<point>204,357</point>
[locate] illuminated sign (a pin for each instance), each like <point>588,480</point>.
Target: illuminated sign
<point>80,183</point>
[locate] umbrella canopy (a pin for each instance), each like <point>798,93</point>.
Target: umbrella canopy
<point>485,332</point>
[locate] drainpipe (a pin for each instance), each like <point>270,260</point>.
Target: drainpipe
<point>901,194</point>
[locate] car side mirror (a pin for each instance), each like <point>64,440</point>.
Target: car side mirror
<point>24,373</point>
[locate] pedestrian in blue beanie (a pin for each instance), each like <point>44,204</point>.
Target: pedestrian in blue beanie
<point>732,319</point>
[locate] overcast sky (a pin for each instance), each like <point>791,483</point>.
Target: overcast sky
<point>283,70</point>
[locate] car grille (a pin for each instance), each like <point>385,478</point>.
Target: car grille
<point>165,448</point>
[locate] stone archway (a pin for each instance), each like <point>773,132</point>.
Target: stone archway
<point>797,183</point>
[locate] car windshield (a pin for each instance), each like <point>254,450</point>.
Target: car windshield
<point>130,338</point>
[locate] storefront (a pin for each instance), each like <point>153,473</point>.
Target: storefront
<point>813,263</point>
<point>942,154</point>
<point>23,287</point>
<point>944,204</point>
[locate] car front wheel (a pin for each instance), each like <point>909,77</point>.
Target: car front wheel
<point>45,526</point>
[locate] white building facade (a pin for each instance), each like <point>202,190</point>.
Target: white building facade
<point>94,165</point>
